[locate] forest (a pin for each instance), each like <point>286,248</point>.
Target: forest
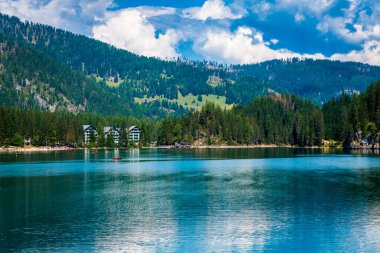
<point>61,128</point>
<point>45,68</point>
<point>354,118</point>
<point>272,119</point>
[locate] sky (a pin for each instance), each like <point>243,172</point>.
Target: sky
<point>225,31</point>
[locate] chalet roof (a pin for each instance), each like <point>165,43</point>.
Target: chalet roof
<point>108,128</point>
<point>133,127</point>
<point>85,127</point>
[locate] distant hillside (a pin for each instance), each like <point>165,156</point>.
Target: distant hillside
<point>47,68</point>
<point>318,80</point>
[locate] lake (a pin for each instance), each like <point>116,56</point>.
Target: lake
<point>211,200</point>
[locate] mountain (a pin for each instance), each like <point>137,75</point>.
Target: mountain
<point>47,68</point>
<point>318,80</point>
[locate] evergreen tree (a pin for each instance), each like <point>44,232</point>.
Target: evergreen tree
<point>124,138</point>
<point>17,140</point>
<point>70,134</point>
<point>101,141</point>
<point>110,143</point>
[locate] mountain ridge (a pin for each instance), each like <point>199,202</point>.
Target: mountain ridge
<point>97,77</point>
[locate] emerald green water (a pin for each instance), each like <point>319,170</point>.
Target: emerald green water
<point>220,200</point>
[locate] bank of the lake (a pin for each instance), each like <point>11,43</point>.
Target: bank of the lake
<point>31,149</point>
<point>36,149</point>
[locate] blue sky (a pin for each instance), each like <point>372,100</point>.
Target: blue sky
<point>231,31</point>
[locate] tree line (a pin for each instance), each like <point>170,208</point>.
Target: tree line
<point>354,118</point>
<point>274,119</point>
<point>281,119</point>
<point>62,128</point>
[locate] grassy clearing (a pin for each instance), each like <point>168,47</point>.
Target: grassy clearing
<point>190,101</point>
<point>214,81</point>
<point>147,99</point>
<point>109,82</point>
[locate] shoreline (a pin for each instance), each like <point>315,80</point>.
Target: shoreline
<point>248,146</point>
<point>234,147</point>
<point>35,149</point>
<point>65,148</point>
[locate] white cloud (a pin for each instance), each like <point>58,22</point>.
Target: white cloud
<point>149,11</point>
<point>129,29</point>
<point>211,9</point>
<point>156,31</point>
<point>241,47</point>
<point>364,26</point>
<point>369,54</point>
<point>75,15</point>
<point>361,33</point>
<point>274,41</point>
<point>299,17</point>
<point>315,7</point>
<point>338,27</point>
<point>248,46</point>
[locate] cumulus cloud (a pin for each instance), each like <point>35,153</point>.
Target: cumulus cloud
<point>246,45</point>
<point>75,15</point>
<point>213,29</point>
<point>369,54</point>
<point>299,17</point>
<point>211,9</point>
<point>314,7</point>
<point>274,41</point>
<point>355,34</point>
<point>129,29</point>
<point>261,8</point>
<point>241,47</point>
<point>357,24</point>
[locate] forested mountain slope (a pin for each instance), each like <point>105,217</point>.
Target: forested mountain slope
<point>319,80</point>
<point>31,79</point>
<point>272,119</point>
<point>48,68</point>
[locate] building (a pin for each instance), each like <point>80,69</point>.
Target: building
<point>27,141</point>
<point>88,133</point>
<point>114,132</point>
<point>134,134</point>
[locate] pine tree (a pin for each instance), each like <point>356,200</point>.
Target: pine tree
<point>110,143</point>
<point>17,140</point>
<point>101,141</point>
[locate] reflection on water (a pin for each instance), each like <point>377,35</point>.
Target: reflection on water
<point>192,201</point>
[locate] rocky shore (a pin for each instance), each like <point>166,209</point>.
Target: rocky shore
<point>34,149</point>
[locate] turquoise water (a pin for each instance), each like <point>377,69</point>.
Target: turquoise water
<point>228,200</point>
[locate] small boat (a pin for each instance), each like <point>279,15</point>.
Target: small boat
<point>18,154</point>
<point>116,158</point>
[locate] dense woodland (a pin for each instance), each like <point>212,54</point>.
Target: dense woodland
<point>273,119</point>
<point>267,120</point>
<point>42,67</point>
<point>353,118</point>
<point>317,80</point>
<point>61,128</point>
<point>32,80</point>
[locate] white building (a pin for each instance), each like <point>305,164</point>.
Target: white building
<point>114,132</point>
<point>134,134</point>
<point>89,130</point>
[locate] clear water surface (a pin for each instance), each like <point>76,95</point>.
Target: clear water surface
<point>220,200</point>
